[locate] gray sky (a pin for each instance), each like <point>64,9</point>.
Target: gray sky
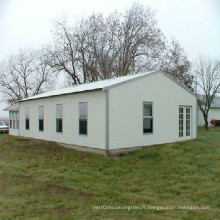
<point>27,23</point>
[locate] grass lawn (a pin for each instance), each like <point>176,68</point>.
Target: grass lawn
<point>43,180</point>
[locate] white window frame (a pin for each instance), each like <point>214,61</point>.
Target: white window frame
<point>83,118</point>
<point>10,120</point>
<point>181,119</point>
<point>184,137</point>
<point>17,121</point>
<point>13,120</point>
<point>27,108</point>
<point>59,132</point>
<point>40,118</point>
<point>148,117</point>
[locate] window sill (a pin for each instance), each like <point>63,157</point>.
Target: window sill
<point>148,133</point>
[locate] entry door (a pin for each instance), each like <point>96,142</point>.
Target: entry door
<point>185,128</point>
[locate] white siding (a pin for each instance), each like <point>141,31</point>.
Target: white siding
<point>70,134</point>
<point>14,132</point>
<point>214,113</point>
<point>126,111</point>
<point>14,119</point>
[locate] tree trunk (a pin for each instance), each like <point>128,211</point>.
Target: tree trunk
<point>206,125</point>
<point>206,122</point>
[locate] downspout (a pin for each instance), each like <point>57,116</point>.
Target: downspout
<point>19,118</point>
<point>197,118</point>
<point>107,122</point>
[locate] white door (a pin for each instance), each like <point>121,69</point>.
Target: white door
<point>185,122</point>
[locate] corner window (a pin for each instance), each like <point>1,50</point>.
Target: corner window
<point>14,119</point>
<point>83,117</point>
<point>147,117</point>
<point>17,120</point>
<point>59,118</point>
<point>10,116</point>
<point>41,118</point>
<point>27,118</point>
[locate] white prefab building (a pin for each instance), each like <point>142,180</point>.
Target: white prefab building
<point>114,115</point>
<point>13,119</point>
<point>214,111</point>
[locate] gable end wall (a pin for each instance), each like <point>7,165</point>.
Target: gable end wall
<point>126,111</point>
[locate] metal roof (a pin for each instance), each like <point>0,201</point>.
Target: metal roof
<point>103,84</point>
<point>12,108</point>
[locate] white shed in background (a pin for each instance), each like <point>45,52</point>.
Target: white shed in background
<point>13,119</point>
<point>112,116</point>
<point>214,111</point>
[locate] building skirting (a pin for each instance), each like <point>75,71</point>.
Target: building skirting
<point>114,152</point>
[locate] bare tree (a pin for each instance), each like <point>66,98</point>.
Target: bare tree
<point>140,39</point>
<point>99,47</point>
<point>207,75</point>
<point>24,75</point>
<point>62,55</point>
<point>85,51</point>
<point>174,61</point>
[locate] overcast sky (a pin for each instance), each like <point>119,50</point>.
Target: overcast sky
<point>28,23</point>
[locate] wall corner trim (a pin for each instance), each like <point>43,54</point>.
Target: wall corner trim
<point>107,119</point>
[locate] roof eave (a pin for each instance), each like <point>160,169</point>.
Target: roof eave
<point>152,73</point>
<point>181,85</point>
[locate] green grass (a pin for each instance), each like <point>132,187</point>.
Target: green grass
<point>43,180</point>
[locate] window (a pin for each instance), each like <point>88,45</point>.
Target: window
<point>17,120</point>
<point>14,115</point>
<point>10,116</point>
<point>83,116</point>
<point>147,117</point>
<point>41,118</point>
<point>10,119</point>
<point>181,122</point>
<point>59,118</point>
<point>188,121</point>
<point>27,118</point>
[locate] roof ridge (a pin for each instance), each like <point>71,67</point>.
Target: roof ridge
<point>101,84</point>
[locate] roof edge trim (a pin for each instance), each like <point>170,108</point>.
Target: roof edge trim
<point>127,81</point>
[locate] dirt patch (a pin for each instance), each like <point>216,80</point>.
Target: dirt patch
<point>58,189</point>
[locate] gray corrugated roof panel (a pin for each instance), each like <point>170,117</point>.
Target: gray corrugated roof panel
<point>103,84</point>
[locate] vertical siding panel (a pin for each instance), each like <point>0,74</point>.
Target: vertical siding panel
<point>70,135</point>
